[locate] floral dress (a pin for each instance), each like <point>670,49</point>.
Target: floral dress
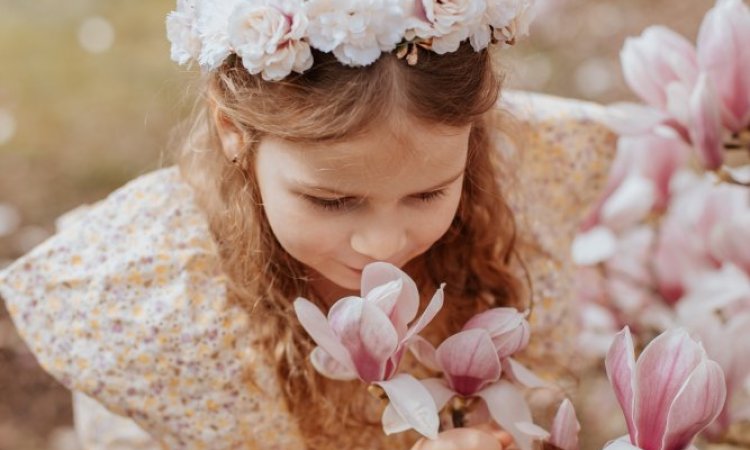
<point>126,304</point>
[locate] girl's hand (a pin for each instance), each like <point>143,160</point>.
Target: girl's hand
<point>480,438</point>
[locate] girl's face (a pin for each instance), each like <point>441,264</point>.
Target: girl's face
<point>385,195</point>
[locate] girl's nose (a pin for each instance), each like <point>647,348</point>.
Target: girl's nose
<point>378,243</point>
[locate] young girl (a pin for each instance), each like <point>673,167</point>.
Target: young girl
<point>332,134</point>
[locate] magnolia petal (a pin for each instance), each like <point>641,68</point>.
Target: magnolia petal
<point>496,320</point>
<point>441,393</point>
<point>636,73</point>
<point>533,430</point>
<point>429,313</point>
<point>413,402</point>
<point>737,330</point>
<point>424,352</point>
<point>378,341</point>
<point>508,408</point>
<point>697,405</point>
<point>660,373</point>
<point>630,203</point>
<point>340,314</point>
<point>469,361</point>
<point>393,422</point>
<point>508,328</point>
<point>678,95</point>
<point>714,290</point>
<point>386,295</point>
<point>367,334</point>
<point>653,60</point>
<point>329,367</point>
<point>317,326</point>
<point>565,427</point>
<point>512,342</point>
<point>407,304</point>
<point>594,246</point>
<point>620,366</point>
<point>520,373</point>
<point>706,128</point>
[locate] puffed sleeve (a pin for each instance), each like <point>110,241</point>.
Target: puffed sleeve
<point>563,153</point>
<point>127,305</point>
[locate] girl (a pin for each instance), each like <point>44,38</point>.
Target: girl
<point>319,148</point>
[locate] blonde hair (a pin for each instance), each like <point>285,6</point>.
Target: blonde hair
<point>331,102</point>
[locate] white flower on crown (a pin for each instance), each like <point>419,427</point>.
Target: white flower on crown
<point>183,32</point>
<point>509,19</point>
<point>213,26</point>
<point>268,36</point>
<point>449,22</point>
<point>498,15</point>
<point>357,32</point>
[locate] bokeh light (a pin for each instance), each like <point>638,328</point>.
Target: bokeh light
<point>10,219</point>
<point>7,126</point>
<point>96,35</point>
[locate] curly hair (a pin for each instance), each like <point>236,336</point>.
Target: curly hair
<point>328,103</point>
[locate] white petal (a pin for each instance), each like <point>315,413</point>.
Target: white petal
<point>594,246</point>
<point>413,402</point>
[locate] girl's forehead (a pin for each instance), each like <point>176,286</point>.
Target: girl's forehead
<point>411,155</point>
<point>387,148</point>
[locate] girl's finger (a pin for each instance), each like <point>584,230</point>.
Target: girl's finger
<point>461,439</point>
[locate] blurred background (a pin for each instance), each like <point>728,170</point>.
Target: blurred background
<point>88,97</point>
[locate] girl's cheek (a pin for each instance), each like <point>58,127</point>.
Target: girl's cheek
<point>304,232</point>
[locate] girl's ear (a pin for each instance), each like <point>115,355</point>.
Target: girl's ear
<point>230,134</point>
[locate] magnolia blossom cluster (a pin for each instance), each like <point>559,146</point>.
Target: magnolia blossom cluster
<point>688,268</point>
<point>697,97</point>
<point>668,242</point>
<point>275,37</point>
<point>366,337</point>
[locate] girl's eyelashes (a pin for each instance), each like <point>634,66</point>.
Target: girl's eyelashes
<point>331,204</point>
<point>428,196</point>
<point>337,204</point>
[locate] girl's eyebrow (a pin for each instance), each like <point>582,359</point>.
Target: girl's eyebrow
<point>331,191</point>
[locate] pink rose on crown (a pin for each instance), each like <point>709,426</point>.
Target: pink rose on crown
<point>268,36</point>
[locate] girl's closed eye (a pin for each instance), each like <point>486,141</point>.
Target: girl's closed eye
<point>338,204</point>
<point>432,195</point>
<point>331,204</point>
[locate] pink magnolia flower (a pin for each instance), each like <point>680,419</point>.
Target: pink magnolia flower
<point>669,395</point>
<point>724,54</point>
<point>698,233</point>
<point>659,65</point>
<point>472,362</point>
<point>639,180</point>
<point>365,337</point>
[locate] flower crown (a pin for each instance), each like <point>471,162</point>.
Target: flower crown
<point>275,37</point>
